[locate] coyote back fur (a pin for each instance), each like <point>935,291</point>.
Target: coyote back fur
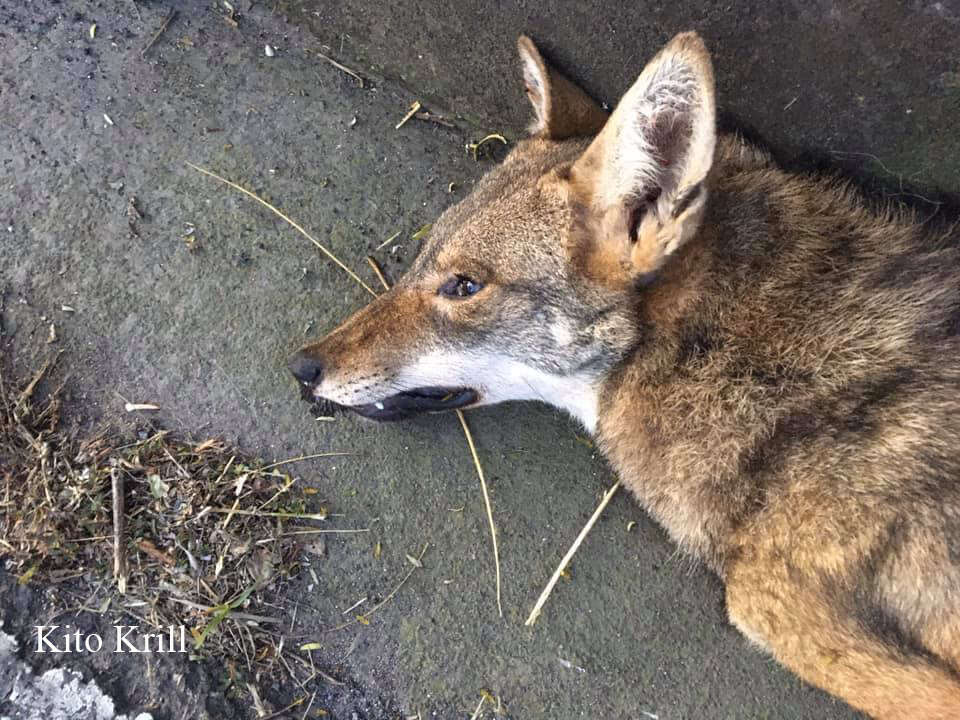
<point>770,364</point>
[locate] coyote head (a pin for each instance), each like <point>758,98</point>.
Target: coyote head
<point>532,287</point>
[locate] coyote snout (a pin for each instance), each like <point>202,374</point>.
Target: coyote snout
<point>771,366</point>
<point>361,367</point>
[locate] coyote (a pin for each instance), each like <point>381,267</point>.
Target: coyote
<point>770,364</point>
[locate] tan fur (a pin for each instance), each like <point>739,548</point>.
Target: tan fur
<point>561,109</point>
<point>770,364</point>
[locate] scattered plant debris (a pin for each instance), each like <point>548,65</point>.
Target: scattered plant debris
<point>414,109</point>
<point>195,533</point>
<point>475,148</point>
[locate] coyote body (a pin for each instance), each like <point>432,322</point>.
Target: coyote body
<point>770,365</point>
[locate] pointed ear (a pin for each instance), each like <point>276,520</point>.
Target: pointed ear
<point>643,180</point>
<point>562,110</point>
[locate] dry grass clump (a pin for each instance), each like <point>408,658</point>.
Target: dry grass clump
<point>205,536</point>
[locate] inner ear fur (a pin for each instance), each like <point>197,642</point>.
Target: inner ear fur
<point>561,109</point>
<point>644,178</point>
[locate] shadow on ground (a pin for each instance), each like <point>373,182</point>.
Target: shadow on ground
<point>93,126</point>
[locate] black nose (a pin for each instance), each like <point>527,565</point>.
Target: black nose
<point>306,368</point>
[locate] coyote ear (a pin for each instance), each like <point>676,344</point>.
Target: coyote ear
<point>643,178</point>
<point>562,110</point>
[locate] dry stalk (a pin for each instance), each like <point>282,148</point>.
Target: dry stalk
<point>476,713</point>
<point>486,500</point>
<point>343,68</point>
<point>280,214</point>
<point>119,547</point>
<point>414,109</point>
<point>364,619</point>
<point>301,458</point>
<point>387,242</point>
<point>541,601</point>
<point>375,266</point>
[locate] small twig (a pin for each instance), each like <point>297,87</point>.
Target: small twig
<point>790,104</point>
<point>284,488</point>
<point>183,473</point>
<point>255,513</point>
<point>378,272</point>
<point>24,399</point>
<point>309,705</point>
<point>327,678</point>
<point>136,407</point>
<point>357,604</point>
<point>88,539</point>
<point>474,148</point>
<point>303,457</point>
<point>414,109</point>
<point>303,232</point>
<point>535,613</point>
<point>428,116</point>
<point>224,471</point>
<point>257,702</point>
<point>234,615</point>
<point>158,33</point>
<point>393,592</point>
<point>387,599</point>
<point>342,68</point>
<point>486,500</point>
<point>388,241</point>
<point>476,713</point>
<point>422,232</point>
<point>320,531</point>
<point>119,554</point>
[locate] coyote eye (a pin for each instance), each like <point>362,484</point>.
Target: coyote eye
<point>460,286</point>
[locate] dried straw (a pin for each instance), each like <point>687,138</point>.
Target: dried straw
<point>486,500</point>
<point>541,601</point>
<point>303,232</point>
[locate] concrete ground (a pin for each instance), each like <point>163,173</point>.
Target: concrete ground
<point>638,631</point>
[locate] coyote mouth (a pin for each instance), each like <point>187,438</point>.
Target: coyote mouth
<point>418,400</point>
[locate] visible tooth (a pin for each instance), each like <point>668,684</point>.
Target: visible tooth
<point>378,406</point>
